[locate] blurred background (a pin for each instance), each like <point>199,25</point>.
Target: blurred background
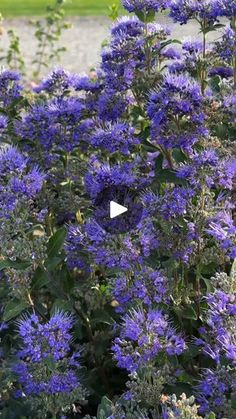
<point>39,35</point>
<point>10,8</point>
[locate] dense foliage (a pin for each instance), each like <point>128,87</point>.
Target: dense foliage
<point>140,324</point>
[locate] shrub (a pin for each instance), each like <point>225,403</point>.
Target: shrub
<point>149,312</point>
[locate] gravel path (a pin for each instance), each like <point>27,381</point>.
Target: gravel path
<point>83,40</point>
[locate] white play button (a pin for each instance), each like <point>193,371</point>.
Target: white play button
<point>116,209</point>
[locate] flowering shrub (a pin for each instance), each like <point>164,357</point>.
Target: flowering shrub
<point>138,324</point>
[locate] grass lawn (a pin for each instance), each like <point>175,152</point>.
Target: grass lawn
<point>10,8</point>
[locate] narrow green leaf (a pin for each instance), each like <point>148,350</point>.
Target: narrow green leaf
<point>168,176</point>
<point>189,313</point>
<point>13,309</point>
<point>100,316</point>
<point>105,408</point>
<point>15,264</point>
<point>56,242</point>
<point>40,279</point>
<point>61,305</point>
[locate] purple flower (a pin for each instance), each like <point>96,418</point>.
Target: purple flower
<point>102,176</point>
<point>92,84</point>
<point>230,106</point>
<point>178,98</point>
<point>223,72</point>
<point>147,286</point>
<point>226,47</point>
<point>114,137</point>
<point>57,83</point>
<point>184,10</point>
<point>202,168</point>
<point>3,122</point>
<point>44,345</point>
<point>213,389</point>
<point>175,202</point>
<point>171,54</point>
<point>56,125</point>
<point>192,46</point>
<point>223,229</point>
<point>143,5</point>
<point>126,27</point>
<point>226,8</point>
<point>18,182</point>
<point>50,339</point>
<point>143,336</point>
<point>10,89</point>
<point>111,105</point>
<point>90,244</point>
<point>218,338</point>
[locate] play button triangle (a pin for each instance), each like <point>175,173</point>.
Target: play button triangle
<point>116,209</point>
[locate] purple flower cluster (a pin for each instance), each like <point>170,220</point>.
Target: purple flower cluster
<point>125,54</point>
<point>114,137</point>
<point>10,88</point>
<point>108,250</point>
<point>223,229</point>
<point>174,203</point>
<point>226,47</point>
<point>184,10</point>
<point>102,176</point>
<point>218,338</point>
<point>126,58</point>
<point>92,83</point>
<point>3,122</point>
<point>44,345</point>
<point>111,106</point>
<point>55,125</point>
<point>226,8</point>
<point>143,5</point>
<point>143,336</point>
<point>178,102</point>
<point>207,168</point>
<point>230,107</point>
<point>214,389</point>
<point>57,83</point>
<point>190,58</point>
<point>146,286</point>
<point>149,123</point>
<point>18,182</point>
<point>223,72</point>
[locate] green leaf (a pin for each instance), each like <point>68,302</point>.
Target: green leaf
<point>178,155</point>
<point>179,389</point>
<point>50,363</point>
<point>146,17</point>
<point>159,163</point>
<point>53,262</point>
<point>189,313</point>
<point>61,305</point>
<point>67,278</point>
<point>104,409</point>
<point>101,316</point>
<point>214,83</point>
<point>168,176</point>
<point>169,42</point>
<point>40,279</point>
<point>15,264</point>
<point>56,242</point>
<point>150,16</point>
<point>233,270</point>
<point>209,285</point>
<point>212,416</point>
<point>13,309</point>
